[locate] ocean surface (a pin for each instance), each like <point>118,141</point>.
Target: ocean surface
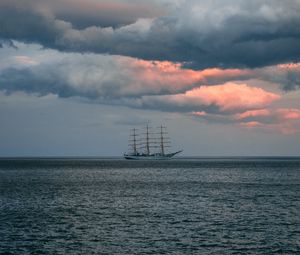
<point>183,206</point>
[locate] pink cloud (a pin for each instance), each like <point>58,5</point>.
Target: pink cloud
<point>158,76</point>
<point>283,120</point>
<point>231,96</point>
<point>289,114</point>
<point>283,128</point>
<point>199,114</point>
<point>253,113</point>
<point>217,72</point>
<point>186,91</point>
<point>173,77</point>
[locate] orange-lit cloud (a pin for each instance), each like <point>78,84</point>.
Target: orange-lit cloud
<point>284,120</point>
<point>199,114</point>
<point>223,102</point>
<point>253,113</point>
<point>230,96</point>
<point>289,114</point>
<point>172,77</point>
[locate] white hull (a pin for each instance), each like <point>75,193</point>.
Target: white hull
<point>151,157</point>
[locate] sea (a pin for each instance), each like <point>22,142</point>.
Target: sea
<point>181,206</point>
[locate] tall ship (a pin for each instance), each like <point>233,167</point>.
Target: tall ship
<point>149,145</point>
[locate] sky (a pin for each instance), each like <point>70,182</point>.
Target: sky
<point>77,75</point>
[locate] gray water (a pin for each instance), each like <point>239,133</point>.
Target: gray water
<point>187,206</point>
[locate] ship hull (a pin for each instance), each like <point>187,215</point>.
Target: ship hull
<point>151,157</point>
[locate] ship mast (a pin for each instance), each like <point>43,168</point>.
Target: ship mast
<point>162,141</point>
<point>134,135</point>
<point>134,141</point>
<point>147,140</point>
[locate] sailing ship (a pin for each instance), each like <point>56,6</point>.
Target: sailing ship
<point>147,147</point>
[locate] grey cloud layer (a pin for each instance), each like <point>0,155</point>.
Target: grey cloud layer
<point>85,76</point>
<point>114,80</point>
<point>217,33</point>
<point>102,77</point>
<point>289,78</point>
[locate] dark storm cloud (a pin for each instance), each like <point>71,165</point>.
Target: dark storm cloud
<point>29,26</point>
<point>102,13</point>
<point>201,34</point>
<point>51,22</point>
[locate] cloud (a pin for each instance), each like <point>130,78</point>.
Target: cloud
<point>284,120</point>
<point>251,124</point>
<point>103,78</point>
<point>288,114</point>
<point>281,114</point>
<point>199,34</point>
<point>25,60</point>
<point>228,97</point>
<point>81,15</point>
<point>102,13</point>
<point>288,75</point>
<point>7,43</point>
<point>199,114</point>
<point>253,113</point>
<point>215,95</point>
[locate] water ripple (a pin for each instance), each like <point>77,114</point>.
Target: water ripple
<point>177,207</point>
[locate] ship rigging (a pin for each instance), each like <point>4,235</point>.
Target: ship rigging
<point>149,145</point>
